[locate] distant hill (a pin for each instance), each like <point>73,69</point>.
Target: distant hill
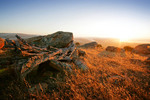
<point>106,42</point>
<point>12,35</point>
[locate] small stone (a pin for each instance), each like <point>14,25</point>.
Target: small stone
<point>81,52</point>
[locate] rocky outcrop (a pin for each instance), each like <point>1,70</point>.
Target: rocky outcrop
<point>114,49</point>
<point>54,52</point>
<point>142,49</point>
<point>59,40</point>
<point>45,57</point>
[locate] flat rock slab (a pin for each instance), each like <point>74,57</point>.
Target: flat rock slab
<point>59,40</point>
<point>89,45</point>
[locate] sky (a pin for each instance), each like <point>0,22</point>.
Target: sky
<point>124,19</point>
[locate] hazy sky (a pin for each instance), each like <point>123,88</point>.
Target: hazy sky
<point>90,18</point>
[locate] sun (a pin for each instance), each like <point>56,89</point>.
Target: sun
<point>123,38</point>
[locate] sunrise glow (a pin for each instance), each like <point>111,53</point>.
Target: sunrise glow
<point>92,18</point>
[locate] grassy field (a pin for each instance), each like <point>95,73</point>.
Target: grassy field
<point>108,78</point>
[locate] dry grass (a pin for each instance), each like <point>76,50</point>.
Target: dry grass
<point>108,78</point>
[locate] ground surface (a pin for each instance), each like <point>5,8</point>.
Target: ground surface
<point>110,76</point>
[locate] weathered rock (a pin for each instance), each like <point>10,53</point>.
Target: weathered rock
<point>75,55</point>
<point>48,59</point>
<point>142,49</point>
<point>41,88</point>
<point>81,52</point>
<point>50,48</point>
<point>9,43</point>
<point>90,45</point>
<point>54,66</point>
<point>1,43</point>
<point>5,62</point>
<point>59,39</point>
<point>77,44</point>
<point>114,49</point>
<point>80,64</point>
<point>35,40</point>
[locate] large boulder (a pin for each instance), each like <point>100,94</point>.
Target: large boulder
<point>1,43</point>
<point>114,49</point>
<point>59,39</point>
<point>142,49</point>
<point>90,45</point>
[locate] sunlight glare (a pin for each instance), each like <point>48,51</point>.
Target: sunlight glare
<point>123,39</point>
<point>112,27</point>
